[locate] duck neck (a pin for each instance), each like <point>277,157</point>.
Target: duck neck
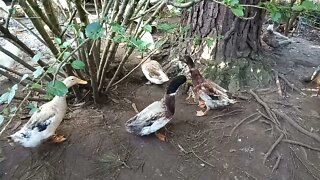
<point>196,77</point>
<point>169,101</point>
<point>58,99</point>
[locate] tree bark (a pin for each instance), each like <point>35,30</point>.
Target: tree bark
<point>235,37</point>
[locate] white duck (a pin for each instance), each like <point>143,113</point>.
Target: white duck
<point>153,71</point>
<point>43,124</point>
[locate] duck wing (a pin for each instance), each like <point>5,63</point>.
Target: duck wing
<point>153,69</point>
<point>149,120</point>
<point>41,119</point>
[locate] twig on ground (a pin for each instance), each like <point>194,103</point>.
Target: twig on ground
<point>240,122</point>
<point>272,148</point>
<point>276,76</point>
<point>192,152</point>
<point>300,144</point>
<point>135,107</point>
<point>266,107</point>
<point>228,113</point>
<point>290,84</point>
<point>31,99</point>
<point>255,119</point>
<point>276,165</point>
<point>296,125</point>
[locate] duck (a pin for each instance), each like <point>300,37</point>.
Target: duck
<point>315,77</point>
<point>6,60</point>
<point>153,71</point>
<point>275,39</point>
<point>209,94</point>
<point>43,123</point>
<point>158,114</point>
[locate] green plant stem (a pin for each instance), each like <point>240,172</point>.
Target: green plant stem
<point>93,74</point>
<point>130,49</point>
<point>113,46</point>
<point>49,10</point>
<point>34,5</point>
<point>69,22</point>
<point>108,43</point>
<point>39,26</point>
<point>10,13</point>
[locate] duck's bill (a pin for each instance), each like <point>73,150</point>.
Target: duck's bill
<point>80,81</point>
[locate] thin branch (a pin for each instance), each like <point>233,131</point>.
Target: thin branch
<point>272,148</point>
<point>10,13</point>
<point>31,99</point>
<point>69,22</point>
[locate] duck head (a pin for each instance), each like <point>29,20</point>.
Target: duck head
<point>72,80</point>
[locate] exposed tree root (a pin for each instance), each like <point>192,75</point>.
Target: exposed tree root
<point>276,165</point>
<point>228,113</point>
<point>296,125</point>
<point>266,107</point>
<point>300,144</point>
<point>272,148</point>
<point>240,122</point>
<point>290,84</point>
<point>276,76</point>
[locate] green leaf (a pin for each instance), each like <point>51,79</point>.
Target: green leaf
<point>36,86</point>
<point>234,2</point>
<point>117,28</point>
<point>33,108</point>
<point>166,27</point>
<point>57,88</point>
<point>36,57</point>
<point>5,111</point>
<point>57,40</point>
<point>52,70</point>
<point>37,72</point>
<point>275,16</point>
<point>237,11</point>
<point>119,39</point>
<point>8,96</point>
<point>66,44</point>
<point>147,28</point>
<point>94,30</point>
<point>66,55</point>
<point>308,5</point>
<point>13,110</point>
<point>78,64</point>
<point>1,119</point>
<point>297,8</point>
<point>210,42</point>
<point>24,77</point>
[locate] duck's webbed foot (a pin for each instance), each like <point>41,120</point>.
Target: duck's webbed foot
<point>56,138</point>
<point>202,104</point>
<point>161,136</point>
<point>201,113</point>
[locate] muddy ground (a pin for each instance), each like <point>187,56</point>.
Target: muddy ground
<point>98,147</point>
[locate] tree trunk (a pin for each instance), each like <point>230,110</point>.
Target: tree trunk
<point>235,37</point>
